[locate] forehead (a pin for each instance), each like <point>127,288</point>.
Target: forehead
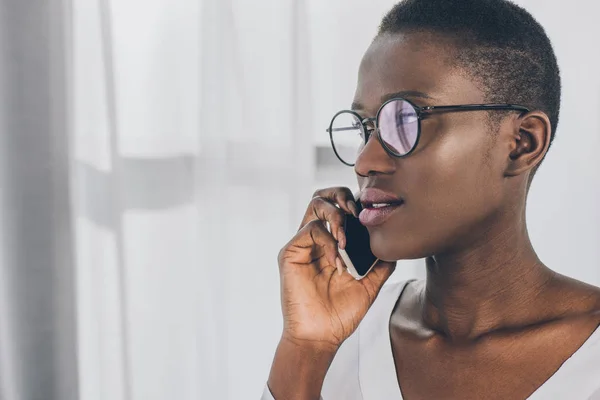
<point>419,62</point>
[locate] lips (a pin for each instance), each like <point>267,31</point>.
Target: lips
<point>378,206</point>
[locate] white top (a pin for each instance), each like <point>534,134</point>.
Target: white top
<point>364,369</point>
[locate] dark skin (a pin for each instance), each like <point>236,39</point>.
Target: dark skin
<point>491,321</point>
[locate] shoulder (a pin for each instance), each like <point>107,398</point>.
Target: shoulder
<point>374,322</point>
<point>393,290</point>
<point>576,297</point>
<point>342,379</point>
<point>375,325</point>
<point>575,307</point>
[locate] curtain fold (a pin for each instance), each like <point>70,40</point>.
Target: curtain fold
<point>192,162</point>
<point>38,358</point>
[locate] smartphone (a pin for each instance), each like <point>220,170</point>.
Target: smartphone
<point>357,255</point>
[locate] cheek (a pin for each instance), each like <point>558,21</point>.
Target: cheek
<point>456,179</point>
<point>458,173</point>
<point>450,192</point>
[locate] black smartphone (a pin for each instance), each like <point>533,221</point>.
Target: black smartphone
<point>357,255</point>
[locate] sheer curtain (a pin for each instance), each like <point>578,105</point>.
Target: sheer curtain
<point>191,162</point>
<point>157,154</point>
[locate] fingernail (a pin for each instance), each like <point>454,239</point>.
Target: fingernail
<point>341,238</point>
<point>352,206</point>
<point>339,265</point>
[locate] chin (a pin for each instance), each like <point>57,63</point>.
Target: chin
<point>395,248</point>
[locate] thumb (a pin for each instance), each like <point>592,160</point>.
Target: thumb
<point>378,275</point>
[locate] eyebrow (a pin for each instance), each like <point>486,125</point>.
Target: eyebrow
<point>405,93</point>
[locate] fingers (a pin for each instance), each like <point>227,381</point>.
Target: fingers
<point>328,206</point>
<point>323,207</point>
<point>313,244</point>
<point>324,211</point>
<point>342,196</point>
<point>339,265</point>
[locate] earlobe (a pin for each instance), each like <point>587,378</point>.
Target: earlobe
<point>530,144</point>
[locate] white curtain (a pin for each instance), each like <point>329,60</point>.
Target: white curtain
<point>155,157</point>
<point>192,161</point>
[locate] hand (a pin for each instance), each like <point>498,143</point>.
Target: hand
<point>321,305</point>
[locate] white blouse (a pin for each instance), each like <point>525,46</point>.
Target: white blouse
<point>364,369</point>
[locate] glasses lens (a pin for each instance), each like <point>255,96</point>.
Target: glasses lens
<point>399,126</point>
<point>347,137</point>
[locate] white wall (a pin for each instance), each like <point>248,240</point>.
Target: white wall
<point>563,213</point>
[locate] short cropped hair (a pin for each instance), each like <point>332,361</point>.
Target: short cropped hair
<point>498,43</point>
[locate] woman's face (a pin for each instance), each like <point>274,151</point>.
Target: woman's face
<point>453,183</point>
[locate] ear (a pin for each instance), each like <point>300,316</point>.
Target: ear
<point>529,142</point>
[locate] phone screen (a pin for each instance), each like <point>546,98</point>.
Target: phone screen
<point>358,245</point>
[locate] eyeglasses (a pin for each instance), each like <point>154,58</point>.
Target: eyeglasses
<point>398,122</point>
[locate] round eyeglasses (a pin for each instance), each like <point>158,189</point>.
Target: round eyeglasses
<point>398,123</point>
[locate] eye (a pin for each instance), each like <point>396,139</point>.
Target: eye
<point>407,117</point>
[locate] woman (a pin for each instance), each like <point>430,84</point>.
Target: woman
<point>450,185</point>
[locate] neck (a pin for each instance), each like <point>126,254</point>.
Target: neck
<point>494,285</point>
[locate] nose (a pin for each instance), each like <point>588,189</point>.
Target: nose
<point>373,159</point>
